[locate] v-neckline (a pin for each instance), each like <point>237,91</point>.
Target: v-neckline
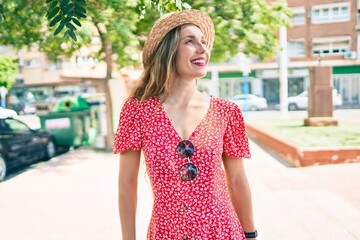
<point>197,126</point>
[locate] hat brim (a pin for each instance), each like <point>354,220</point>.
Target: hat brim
<point>170,21</point>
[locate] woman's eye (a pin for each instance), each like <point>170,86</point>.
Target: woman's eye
<point>189,42</point>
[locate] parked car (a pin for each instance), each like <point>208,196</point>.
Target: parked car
<point>21,145</point>
<point>250,102</point>
<point>7,113</point>
<point>301,101</point>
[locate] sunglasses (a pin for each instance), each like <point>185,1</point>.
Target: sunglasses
<point>188,171</point>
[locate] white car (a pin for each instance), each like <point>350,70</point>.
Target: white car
<point>7,113</point>
<point>250,102</point>
<point>301,101</point>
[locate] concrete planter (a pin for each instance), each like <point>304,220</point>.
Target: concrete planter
<point>303,156</point>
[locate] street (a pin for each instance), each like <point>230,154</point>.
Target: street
<point>74,197</point>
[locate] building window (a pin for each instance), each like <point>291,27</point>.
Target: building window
<point>331,46</point>
<point>86,61</point>
<point>57,65</point>
<point>31,63</point>
<point>328,13</point>
<point>296,48</point>
<point>298,17</point>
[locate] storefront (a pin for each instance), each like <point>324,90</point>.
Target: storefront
<point>347,82</point>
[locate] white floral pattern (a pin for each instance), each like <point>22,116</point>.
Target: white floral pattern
<point>200,209</point>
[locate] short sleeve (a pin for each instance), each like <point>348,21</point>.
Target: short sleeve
<point>236,142</point>
<point>128,133</point>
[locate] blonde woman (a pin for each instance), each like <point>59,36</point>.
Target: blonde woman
<point>193,143</point>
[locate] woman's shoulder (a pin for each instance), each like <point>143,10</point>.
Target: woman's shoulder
<point>136,106</point>
<point>135,102</point>
<point>225,104</point>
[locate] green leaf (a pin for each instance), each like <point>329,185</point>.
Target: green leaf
<point>70,14</point>
<point>70,26</point>
<point>52,5</point>
<point>47,1</point>
<point>68,8</point>
<point>76,22</point>
<point>53,12</point>
<point>55,20</point>
<point>79,14</point>
<point>81,1</point>
<point>72,35</point>
<point>79,8</point>
<point>65,20</point>
<point>64,3</point>
<point>59,28</point>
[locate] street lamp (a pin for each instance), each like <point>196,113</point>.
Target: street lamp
<point>245,69</point>
<point>3,93</point>
<point>283,72</point>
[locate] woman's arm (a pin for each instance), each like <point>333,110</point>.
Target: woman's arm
<point>239,191</point>
<point>128,182</point>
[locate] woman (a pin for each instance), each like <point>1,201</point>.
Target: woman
<point>193,143</point>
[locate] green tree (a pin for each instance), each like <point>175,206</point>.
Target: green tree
<point>241,25</point>
<point>249,26</point>
<point>8,68</point>
<point>112,21</point>
<point>23,24</point>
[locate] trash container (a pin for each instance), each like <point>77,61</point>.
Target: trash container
<point>69,122</point>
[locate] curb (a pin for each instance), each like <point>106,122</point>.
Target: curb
<point>303,156</point>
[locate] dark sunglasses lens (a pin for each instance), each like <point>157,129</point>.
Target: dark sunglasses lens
<point>188,172</point>
<point>185,149</point>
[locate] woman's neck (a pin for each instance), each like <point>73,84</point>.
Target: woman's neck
<point>183,91</point>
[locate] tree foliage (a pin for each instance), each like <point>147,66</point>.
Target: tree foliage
<point>8,68</point>
<point>121,27</point>
<point>249,26</point>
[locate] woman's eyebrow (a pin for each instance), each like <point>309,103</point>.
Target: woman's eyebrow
<point>192,36</point>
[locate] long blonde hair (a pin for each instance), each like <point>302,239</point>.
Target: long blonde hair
<point>159,73</point>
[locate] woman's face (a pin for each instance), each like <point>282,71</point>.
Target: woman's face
<point>192,54</point>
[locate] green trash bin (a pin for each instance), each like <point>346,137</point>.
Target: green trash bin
<point>69,122</point>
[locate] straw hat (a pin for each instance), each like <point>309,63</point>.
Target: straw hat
<point>169,21</point>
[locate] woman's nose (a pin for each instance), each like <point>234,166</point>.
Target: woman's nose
<point>201,48</point>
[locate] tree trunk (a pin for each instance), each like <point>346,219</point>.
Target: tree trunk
<point>109,113</point>
<point>109,117</point>
<point>108,59</point>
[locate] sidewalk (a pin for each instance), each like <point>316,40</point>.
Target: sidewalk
<point>320,202</point>
<point>74,197</point>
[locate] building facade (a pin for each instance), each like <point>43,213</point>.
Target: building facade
<point>323,33</point>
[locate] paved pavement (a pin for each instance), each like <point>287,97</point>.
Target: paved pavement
<point>74,197</point>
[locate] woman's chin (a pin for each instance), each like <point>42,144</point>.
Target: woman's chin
<point>200,74</point>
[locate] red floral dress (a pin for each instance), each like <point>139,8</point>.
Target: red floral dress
<point>200,209</point>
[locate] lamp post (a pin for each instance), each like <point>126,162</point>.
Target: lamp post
<point>3,93</point>
<point>245,69</point>
<point>214,90</point>
<point>283,73</point>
